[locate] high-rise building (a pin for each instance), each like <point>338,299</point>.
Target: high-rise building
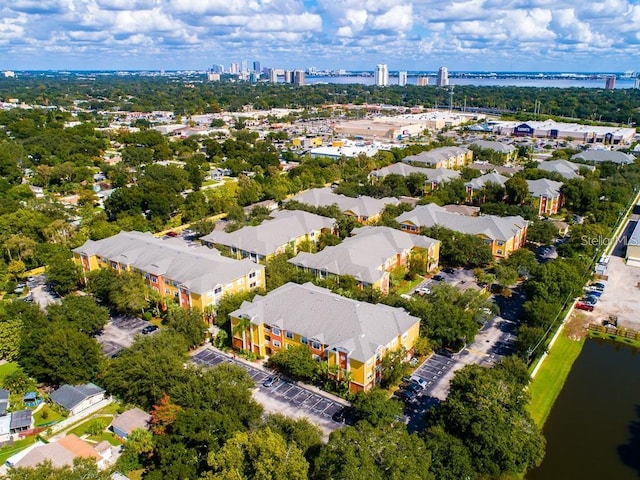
<point>422,81</point>
<point>213,76</point>
<point>244,67</point>
<point>234,68</point>
<point>402,78</point>
<point>610,82</point>
<point>312,70</point>
<point>382,75</point>
<point>288,76</point>
<point>637,84</point>
<point>443,77</point>
<point>298,77</point>
<point>217,68</point>
<point>256,66</point>
<point>273,75</point>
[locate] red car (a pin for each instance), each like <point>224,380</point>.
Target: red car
<point>584,306</point>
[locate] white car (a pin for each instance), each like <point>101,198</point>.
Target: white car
<point>423,291</point>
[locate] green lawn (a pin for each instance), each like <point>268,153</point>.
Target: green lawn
<point>42,418</point>
<point>548,382</point>
<point>405,286</point>
<point>6,369</point>
<point>82,428</point>
<point>8,451</point>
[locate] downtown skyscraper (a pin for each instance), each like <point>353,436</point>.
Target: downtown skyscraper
<point>382,75</point>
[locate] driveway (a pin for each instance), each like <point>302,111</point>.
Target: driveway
<point>286,396</point>
<point>459,277</point>
<point>40,293</point>
<point>119,333</point>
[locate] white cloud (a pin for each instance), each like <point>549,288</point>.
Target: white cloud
<point>398,18</point>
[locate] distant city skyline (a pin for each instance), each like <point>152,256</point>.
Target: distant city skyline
<point>469,35</point>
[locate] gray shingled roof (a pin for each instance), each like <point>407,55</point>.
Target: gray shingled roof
<point>334,321</point>
<point>69,396</point>
<point>197,268</point>
<point>495,146</point>
<point>565,168</point>
<point>598,156</point>
<point>439,175</point>
<point>21,419</point>
<point>266,238</point>
<point>544,187</point>
<point>362,206</point>
<point>493,177</point>
<point>363,255</point>
<point>131,419</point>
<point>491,226</point>
<point>436,155</point>
<point>4,401</point>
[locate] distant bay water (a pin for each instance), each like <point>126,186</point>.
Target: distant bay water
<point>542,82</point>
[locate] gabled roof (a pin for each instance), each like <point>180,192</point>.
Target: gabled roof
<point>265,239</point>
<point>361,206</point>
<point>70,396</point>
<point>599,156</point>
<point>436,155</point>
<point>481,181</point>
<point>544,188</point>
<point>21,419</point>
<point>489,226</point>
<point>495,146</point>
<point>197,268</point>
<point>335,321</point>
<point>363,255</point>
<point>433,174</point>
<point>131,419</point>
<point>563,167</point>
<point>60,453</point>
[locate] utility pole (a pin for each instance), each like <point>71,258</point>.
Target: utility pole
<point>451,98</point>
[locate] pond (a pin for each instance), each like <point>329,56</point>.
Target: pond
<point>593,431</point>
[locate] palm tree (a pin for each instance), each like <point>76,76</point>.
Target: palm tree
<point>244,324</point>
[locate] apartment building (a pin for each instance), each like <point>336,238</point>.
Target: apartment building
<point>370,255</point>
<point>351,335</point>
<point>364,209</point>
<point>443,157</point>
<point>196,276</point>
<point>434,176</point>
<point>504,235</point>
<point>285,231</point>
<point>546,195</point>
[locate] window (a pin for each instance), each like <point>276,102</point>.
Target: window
<point>252,285</point>
<point>241,281</point>
<point>499,252</point>
<point>154,280</point>
<point>289,335</point>
<point>304,340</point>
<point>313,234</point>
<point>275,330</point>
<point>316,345</point>
<point>500,243</point>
<point>252,274</point>
<point>405,335</point>
<point>217,290</point>
<point>167,291</point>
<point>276,343</point>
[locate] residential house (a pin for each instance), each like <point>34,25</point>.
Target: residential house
<point>567,169</point>
<point>478,183</point>
<point>4,401</point>
<point>5,429</point>
<point>435,176</point>
<point>363,209</point>
<point>125,423</point>
<point>504,235</point>
<point>77,398</point>
<point>504,151</point>
<point>62,453</point>
<point>21,421</point>
<point>600,156</point>
<point>351,336</point>
<point>369,256</point>
<point>443,157</point>
<point>547,195</point>
<point>196,276</point>
<point>286,231</point>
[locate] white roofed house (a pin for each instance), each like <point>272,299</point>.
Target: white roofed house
<point>196,276</point>
<point>363,209</point>
<point>547,195</point>
<point>351,336</point>
<point>285,231</point>
<point>370,255</point>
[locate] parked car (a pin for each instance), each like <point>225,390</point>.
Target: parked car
<point>419,381</point>
<point>411,387</point>
<point>270,382</point>
<point>148,329</point>
<point>346,415</point>
<point>584,306</point>
<point>594,293</point>
<point>590,299</point>
<point>438,278</point>
<point>423,291</point>
<point>449,270</point>
<point>598,286</point>
<point>406,394</point>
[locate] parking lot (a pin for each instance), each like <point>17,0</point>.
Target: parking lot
<point>459,277</point>
<point>119,333</point>
<point>285,396</point>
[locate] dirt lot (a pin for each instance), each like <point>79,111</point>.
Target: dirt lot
<point>621,296</point>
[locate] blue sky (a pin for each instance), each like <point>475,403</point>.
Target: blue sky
<point>489,35</point>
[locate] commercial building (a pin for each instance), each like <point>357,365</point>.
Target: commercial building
<point>558,130</point>
<point>363,209</point>
<point>504,235</point>
<point>632,255</point>
<point>346,149</point>
<point>382,75</point>
<point>352,337</point>
<point>443,77</point>
<point>196,276</point>
<point>369,256</point>
<point>284,232</point>
<point>443,157</point>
